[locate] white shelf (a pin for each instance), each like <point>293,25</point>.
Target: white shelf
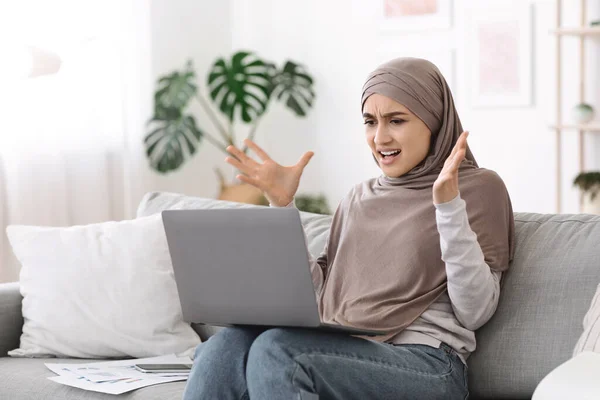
<point>581,32</point>
<point>591,127</point>
<point>586,31</point>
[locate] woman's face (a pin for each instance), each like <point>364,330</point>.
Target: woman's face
<point>391,127</point>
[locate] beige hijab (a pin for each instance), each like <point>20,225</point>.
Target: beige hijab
<point>383,258</point>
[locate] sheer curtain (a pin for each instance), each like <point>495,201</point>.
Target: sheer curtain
<point>70,143</point>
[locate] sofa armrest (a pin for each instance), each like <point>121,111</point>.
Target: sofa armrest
<point>11,317</point>
<point>575,379</point>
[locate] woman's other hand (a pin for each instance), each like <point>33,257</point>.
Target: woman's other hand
<point>278,183</point>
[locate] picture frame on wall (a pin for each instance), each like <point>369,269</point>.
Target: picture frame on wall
<point>499,54</point>
<point>415,15</point>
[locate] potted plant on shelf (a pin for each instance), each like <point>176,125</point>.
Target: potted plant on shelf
<point>242,88</point>
<point>582,113</point>
<point>589,184</point>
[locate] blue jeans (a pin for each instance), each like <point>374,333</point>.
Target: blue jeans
<point>244,363</point>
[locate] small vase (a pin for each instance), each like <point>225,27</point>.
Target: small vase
<point>582,113</point>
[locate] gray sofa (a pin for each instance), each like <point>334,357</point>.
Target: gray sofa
<point>545,295</point>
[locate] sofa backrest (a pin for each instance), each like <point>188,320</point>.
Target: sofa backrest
<point>544,296</point>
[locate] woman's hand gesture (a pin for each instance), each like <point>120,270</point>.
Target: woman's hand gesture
<point>278,183</point>
<point>445,187</point>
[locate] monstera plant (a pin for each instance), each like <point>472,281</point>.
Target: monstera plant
<point>241,88</point>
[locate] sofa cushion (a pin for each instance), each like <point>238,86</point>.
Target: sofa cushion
<point>590,338</point>
<point>544,296</point>
<point>575,379</point>
<point>25,379</point>
<point>99,290</point>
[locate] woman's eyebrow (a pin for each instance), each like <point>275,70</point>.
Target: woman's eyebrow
<point>394,113</point>
<point>390,114</point>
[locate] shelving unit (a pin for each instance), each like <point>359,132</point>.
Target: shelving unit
<point>582,32</point>
<point>591,127</point>
<point>585,31</point>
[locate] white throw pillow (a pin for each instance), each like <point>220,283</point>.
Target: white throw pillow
<point>101,290</point>
<point>590,338</point>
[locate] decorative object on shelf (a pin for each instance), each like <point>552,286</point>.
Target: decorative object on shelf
<point>313,204</point>
<point>500,54</point>
<point>595,23</point>
<point>582,113</point>
<point>242,88</point>
<point>589,184</point>
<point>415,15</point>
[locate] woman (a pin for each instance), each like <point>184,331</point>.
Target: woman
<point>418,251</point>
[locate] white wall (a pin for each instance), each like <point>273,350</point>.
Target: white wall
<point>180,30</point>
<point>340,44</point>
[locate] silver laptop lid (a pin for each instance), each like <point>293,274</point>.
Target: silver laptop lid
<point>241,266</point>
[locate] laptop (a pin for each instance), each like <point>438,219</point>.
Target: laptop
<point>245,266</point>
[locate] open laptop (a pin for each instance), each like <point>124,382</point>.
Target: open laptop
<point>244,266</point>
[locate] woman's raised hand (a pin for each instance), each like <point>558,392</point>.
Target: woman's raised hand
<point>278,183</point>
<point>445,188</point>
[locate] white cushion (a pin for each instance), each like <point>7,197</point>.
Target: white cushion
<point>101,290</point>
<point>574,379</point>
<point>590,338</point>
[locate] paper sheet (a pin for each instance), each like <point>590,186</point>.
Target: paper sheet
<point>115,377</point>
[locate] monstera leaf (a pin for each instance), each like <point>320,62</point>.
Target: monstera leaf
<point>175,136</point>
<point>293,86</point>
<point>241,87</point>
<point>175,90</point>
<point>243,83</point>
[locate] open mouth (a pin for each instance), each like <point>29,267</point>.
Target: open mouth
<point>388,157</point>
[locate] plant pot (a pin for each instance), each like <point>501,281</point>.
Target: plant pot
<point>590,206</point>
<point>582,113</point>
<point>242,193</point>
<point>239,192</point>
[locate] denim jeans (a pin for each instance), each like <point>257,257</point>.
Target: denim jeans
<point>242,363</point>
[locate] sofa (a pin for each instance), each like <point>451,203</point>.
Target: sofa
<point>545,295</point>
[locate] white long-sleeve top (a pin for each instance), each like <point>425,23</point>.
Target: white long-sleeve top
<point>473,288</point>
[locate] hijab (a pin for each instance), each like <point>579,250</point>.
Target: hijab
<point>383,258</point>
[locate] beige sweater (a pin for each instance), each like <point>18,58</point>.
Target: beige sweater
<point>473,288</point>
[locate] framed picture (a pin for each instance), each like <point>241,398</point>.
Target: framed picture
<point>499,44</point>
<point>415,15</point>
